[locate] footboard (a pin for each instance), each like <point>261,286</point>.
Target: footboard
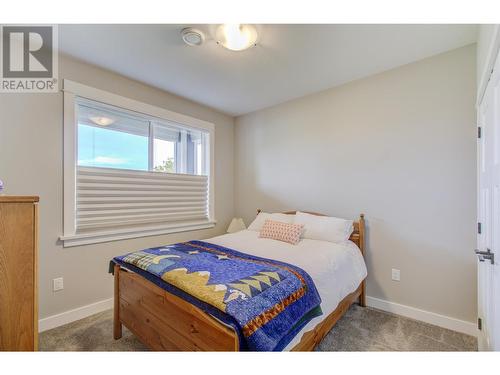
<point>163,321</point>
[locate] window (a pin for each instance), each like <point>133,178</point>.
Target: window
<point>132,169</point>
<point>111,137</point>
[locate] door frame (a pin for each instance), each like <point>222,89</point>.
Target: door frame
<point>491,56</point>
<point>487,274</point>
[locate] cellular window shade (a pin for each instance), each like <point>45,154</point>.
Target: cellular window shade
<point>111,198</point>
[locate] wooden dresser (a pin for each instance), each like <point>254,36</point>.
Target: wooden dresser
<point>18,273</point>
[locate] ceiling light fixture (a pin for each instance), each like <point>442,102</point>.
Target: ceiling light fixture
<point>101,120</point>
<point>192,36</point>
<point>236,37</point>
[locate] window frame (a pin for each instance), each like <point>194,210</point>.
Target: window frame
<point>72,91</point>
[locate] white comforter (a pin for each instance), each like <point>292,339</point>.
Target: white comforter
<point>336,269</point>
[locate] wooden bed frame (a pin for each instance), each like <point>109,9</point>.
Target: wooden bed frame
<point>163,321</point>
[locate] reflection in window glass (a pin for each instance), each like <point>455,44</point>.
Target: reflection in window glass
<point>110,140</point>
<point>194,141</point>
<point>199,169</point>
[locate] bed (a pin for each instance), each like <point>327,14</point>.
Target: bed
<point>164,321</point>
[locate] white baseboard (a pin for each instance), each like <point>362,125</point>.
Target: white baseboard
<point>73,315</point>
<point>424,316</point>
<point>392,307</point>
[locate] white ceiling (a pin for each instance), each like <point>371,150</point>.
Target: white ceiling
<point>290,61</point>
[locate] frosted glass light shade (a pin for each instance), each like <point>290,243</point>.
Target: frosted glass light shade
<point>236,225</point>
<point>236,37</point>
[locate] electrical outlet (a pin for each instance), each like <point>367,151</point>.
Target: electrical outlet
<point>396,274</point>
<point>57,284</point>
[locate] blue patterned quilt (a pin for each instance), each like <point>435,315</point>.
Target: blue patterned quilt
<point>266,301</point>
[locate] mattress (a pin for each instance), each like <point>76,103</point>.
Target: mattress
<point>337,269</point>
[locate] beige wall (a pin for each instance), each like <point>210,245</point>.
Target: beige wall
<point>31,157</point>
<point>398,146</point>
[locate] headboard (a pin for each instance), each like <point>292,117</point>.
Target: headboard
<point>358,234</point>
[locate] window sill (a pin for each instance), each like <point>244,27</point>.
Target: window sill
<point>123,234</point>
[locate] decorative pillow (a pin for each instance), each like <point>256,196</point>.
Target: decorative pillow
<point>280,231</point>
<point>263,216</point>
<point>324,228</point>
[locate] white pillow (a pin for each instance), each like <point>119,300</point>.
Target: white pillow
<point>263,216</point>
<point>324,228</point>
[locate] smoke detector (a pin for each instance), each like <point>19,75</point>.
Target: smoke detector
<point>192,36</point>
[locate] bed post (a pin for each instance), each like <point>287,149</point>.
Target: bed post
<point>117,325</point>
<point>362,297</point>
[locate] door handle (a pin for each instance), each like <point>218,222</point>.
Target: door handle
<point>482,255</point>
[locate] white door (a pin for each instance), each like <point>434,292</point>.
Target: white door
<point>488,240</point>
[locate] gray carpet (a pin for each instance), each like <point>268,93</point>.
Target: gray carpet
<point>361,329</point>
